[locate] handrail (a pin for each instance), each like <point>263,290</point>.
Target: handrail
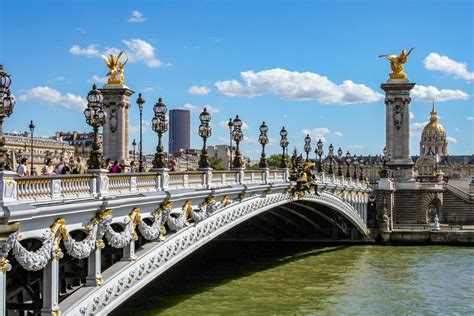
<point>458,192</point>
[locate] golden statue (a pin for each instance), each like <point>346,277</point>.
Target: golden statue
<point>396,63</point>
<point>115,68</point>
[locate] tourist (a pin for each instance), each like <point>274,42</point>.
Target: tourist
<point>80,167</point>
<point>60,166</point>
<point>132,166</point>
<point>22,169</point>
<point>115,167</point>
<point>48,169</point>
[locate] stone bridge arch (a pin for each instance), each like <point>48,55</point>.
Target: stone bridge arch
<point>126,278</point>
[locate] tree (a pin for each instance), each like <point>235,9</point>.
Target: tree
<point>274,161</point>
<point>216,163</point>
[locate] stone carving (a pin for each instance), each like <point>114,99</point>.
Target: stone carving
<point>35,260</point>
<point>81,249</point>
<point>113,120</point>
<point>398,110</point>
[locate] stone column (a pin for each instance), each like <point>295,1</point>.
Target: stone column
<point>397,122</point>
<point>116,106</point>
<point>94,270</point>
<point>4,267</point>
<point>384,203</point>
<point>51,287</point>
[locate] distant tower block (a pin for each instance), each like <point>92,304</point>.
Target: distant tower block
<point>180,130</point>
<point>116,106</point>
<point>397,122</point>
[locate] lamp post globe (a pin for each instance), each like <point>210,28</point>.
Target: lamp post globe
<point>204,131</point>
<point>140,102</point>
<point>263,140</point>
<point>307,146</point>
<point>237,136</point>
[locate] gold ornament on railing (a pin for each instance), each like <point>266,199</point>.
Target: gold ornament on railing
<point>116,71</point>
<point>396,64</point>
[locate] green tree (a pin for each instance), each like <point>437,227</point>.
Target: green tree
<point>216,163</point>
<point>274,161</point>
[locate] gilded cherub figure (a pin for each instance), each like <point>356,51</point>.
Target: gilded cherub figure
<point>396,63</point>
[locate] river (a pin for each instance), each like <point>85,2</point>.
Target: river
<point>245,278</point>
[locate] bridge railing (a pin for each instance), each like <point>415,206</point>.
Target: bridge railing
<point>37,189</point>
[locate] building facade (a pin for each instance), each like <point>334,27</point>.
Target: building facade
<point>179,130</point>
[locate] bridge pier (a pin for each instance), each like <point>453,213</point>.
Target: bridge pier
<point>94,262</point>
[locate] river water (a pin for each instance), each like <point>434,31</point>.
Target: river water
<point>244,278</point>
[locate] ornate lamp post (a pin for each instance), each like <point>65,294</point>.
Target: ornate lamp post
<point>95,117</point>
<point>355,163</point>
<point>32,130</point>
<point>134,144</point>
<point>361,169</point>
<point>348,163</point>
<point>237,136</point>
<point>319,151</point>
<point>339,161</point>
<point>384,173</point>
<point>205,131</point>
<point>141,165</point>
<point>331,156</point>
<point>231,128</point>
<point>284,144</point>
<point>7,103</point>
<point>307,146</point>
<point>263,140</point>
<point>159,126</point>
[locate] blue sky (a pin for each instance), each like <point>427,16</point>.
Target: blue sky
<point>311,66</point>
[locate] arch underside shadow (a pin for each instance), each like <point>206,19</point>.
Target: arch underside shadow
<point>313,217</point>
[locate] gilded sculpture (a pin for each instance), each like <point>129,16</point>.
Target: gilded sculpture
<point>116,71</point>
<point>396,64</point>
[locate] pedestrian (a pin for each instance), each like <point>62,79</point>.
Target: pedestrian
<point>60,166</point>
<point>80,167</point>
<point>132,166</point>
<point>22,169</point>
<point>115,167</point>
<point>48,169</point>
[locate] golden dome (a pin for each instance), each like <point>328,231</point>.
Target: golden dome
<point>434,127</point>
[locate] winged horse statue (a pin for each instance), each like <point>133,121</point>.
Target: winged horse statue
<point>396,63</point>
<point>115,68</point>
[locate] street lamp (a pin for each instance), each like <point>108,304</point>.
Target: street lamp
<point>7,103</point>
<point>284,144</point>
<point>361,167</point>
<point>384,173</point>
<point>307,146</point>
<point>237,136</point>
<point>141,102</point>
<point>231,127</point>
<point>159,126</point>
<point>32,129</point>
<point>348,163</point>
<point>355,163</point>
<point>95,117</point>
<point>331,156</point>
<point>134,144</point>
<point>319,151</point>
<point>263,140</point>
<point>339,161</point>
<point>205,131</point>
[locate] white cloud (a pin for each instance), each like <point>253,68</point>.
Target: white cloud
<point>417,127</point>
<point>356,146</point>
<point>337,133</point>
<point>445,64</point>
<point>148,89</point>
<point>224,125</point>
<point>197,90</point>
<point>49,95</point>
<point>193,108</point>
<point>141,51</point>
<point>137,50</point>
<point>317,133</point>
<point>60,78</point>
<point>135,129</point>
<point>89,51</point>
<point>97,79</point>
<point>137,17</point>
<point>412,116</point>
<point>293,85</point>
<point>470,118</point>
<point>430,93</point>
<point>451,140</point>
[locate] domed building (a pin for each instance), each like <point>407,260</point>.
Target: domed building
<point>433,139</point>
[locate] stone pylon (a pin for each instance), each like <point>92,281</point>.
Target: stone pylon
<point>116,106</point>
<point>397,122</point>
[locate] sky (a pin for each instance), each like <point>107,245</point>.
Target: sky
<point>311,66</point>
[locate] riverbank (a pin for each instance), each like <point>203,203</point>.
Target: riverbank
<point>417,237</point>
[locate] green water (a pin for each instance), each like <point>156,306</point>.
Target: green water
<point>259,279</point>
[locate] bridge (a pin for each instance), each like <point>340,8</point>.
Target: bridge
<point>82,244</point>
